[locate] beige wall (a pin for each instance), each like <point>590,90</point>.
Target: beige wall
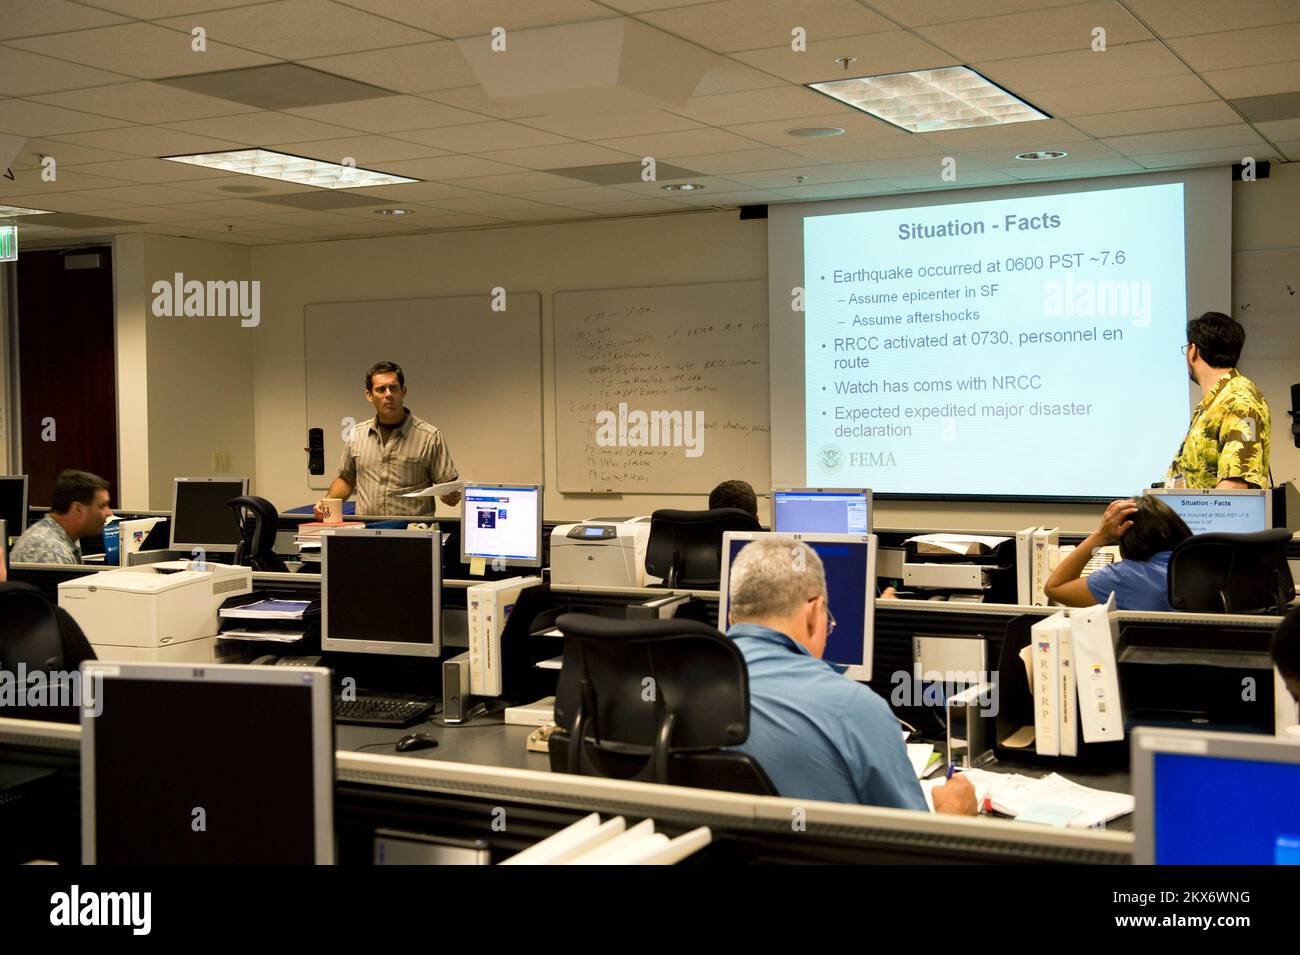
<point>208,381</point>
<point>185,385</point>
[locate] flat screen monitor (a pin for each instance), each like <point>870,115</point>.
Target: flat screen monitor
<point>821,510</point>
<point>193,764</point>
<point>1215,798</point>
<point>850,562</point>
<point>13,502</point>
<point>1220,512</point>
<point>201,517</point>
<point>381,591</point>
<point>503,523</point>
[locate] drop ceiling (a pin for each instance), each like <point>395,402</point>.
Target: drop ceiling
<point>106,87</point>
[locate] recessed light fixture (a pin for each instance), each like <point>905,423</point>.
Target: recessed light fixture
<point>7,211</point>
<point>273,165</point>
<point>926,101</point>
<point>394,212</point>
<point>1044,154</point>
<point>815,132</point>
<point>682,187</point>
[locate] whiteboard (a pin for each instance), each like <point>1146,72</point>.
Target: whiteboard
<point>697,350</point>
<point>473,373</point>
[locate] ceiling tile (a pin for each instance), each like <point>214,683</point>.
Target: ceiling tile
<point>970,177</point>
<point>855,123</point>
<point>814,175</point>
<point>456,18</point>
<point>643,6</point>
<point>482,137</point>
<point>1291,149</point>
<point>302,29</point>
<point>1074,170</point>
<point>142,195</point>
<point>634,207</point>
<point>153,214</point>
<point>735,77</point>
<point>299,219</point>
<point>860,149</point>
<point>554,157</point>
<point>69,180</point>
<point>1052,30</point>
<point>389,114</point>
<point>223,185</point>
<point>225,207</point>
<point>156,9</point>
<point>838,190</point>
<point>746,161</point>
<point>365,150</point>
<point>1279,43</point>
<point>1004,157</point>
<point>406,69</point>
<point>448,167</point>
<point>150,141</point>
<point>55,202</point>
<point>260,129</point>
<point>732,25</point>
<point>579,195</point>
<point>26,74</point>
<point>1182,140</point>
<point>514,183</point>
<point>1134,121</point>
<point>1039,134</point>
<point>489,205</point>
<point>67,154</point>
<point>682,143</point>
<point>474,99</point>
<point>1222,156</point>
<point>728,109</point>
<point>31,17</point>
<point>142,50</point>
<point>921,12</point>
<point>143,102</point>
<point>547,214</point>
<point>1126,94</point>
<point>145,170</point>
<point>1136,61</point>
<point>1255,80</point>
<point>608,125</point>
<point>23,118</point>
<point>1281,129</point>
<point>1172,18</point>
<point>893,52</point>
<point>419,191</point>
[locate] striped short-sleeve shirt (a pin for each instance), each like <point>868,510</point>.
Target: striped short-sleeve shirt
<point>414,458</point>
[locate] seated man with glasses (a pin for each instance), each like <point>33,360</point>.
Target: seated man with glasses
<point>817,734</point>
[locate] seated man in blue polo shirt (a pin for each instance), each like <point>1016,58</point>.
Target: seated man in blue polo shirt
<point>817,734</point>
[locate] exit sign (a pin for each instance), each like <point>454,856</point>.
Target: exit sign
<point>8,243</point>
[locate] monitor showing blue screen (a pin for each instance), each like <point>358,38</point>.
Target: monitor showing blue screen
<point>1219,512</point>
<point>821,511</point>
<point>1212,810</point>
<point>850,585</point>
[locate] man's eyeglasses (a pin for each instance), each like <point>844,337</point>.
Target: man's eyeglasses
<point>830,618</point>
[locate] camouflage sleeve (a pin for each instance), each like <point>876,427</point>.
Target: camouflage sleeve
<point>1242,443</point>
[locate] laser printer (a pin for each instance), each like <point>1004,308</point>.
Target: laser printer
<point>163,612</point>
<point>601,553</point>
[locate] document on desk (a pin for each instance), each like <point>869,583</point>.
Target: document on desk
<point>267,610</point>
<point>964,544</point>
<point>438,490</point>
<point>922,757</point>
<point>1013,795</point>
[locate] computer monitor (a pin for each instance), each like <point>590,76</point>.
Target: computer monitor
<point>821,510</point>
<point>850,562</point>
<point>201,517</point>
<point>192,764</point>
<point>13,502</point>
<point>381,591</point>
<point>1220,512</point>
<point>1215,798</point>
<point>502,522</point>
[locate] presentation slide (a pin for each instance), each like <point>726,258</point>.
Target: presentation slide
<point>1018,346</point>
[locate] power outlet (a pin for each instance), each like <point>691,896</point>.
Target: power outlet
<point>220,462</point>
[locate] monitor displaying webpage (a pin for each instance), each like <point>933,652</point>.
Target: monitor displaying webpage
<point>820,512</point>
<point>502,522</point>
<point>1213,512</point>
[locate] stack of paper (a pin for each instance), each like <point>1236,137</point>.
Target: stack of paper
<point>966,545</point>
<point>1015,795</point>
<point>592,842</point>
<point>268,610</point>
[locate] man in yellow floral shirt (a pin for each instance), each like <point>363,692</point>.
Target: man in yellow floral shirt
<point>1227,443</point>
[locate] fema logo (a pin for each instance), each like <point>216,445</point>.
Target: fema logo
<point>830,458</point>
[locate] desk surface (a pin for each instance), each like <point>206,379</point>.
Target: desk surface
<point>487,741</point>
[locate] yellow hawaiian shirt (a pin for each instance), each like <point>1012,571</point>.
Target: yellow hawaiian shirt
<point>1228,437</point>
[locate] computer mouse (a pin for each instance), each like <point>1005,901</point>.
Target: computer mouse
<point>416,741</point>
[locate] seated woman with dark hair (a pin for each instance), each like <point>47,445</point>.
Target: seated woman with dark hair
<point>1147,531</point>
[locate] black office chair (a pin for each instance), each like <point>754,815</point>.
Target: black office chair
<point>42,638</point>
<point>1232,573</point>
<point>685,547</point>
<point>258,523</point>
<point>612,723</point>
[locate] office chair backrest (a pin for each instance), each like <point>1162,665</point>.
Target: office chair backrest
<point>43,639</point>
<point>258,523</point>
<point>685,547</point>
<point>1231,573</point>
<point>653,700</point>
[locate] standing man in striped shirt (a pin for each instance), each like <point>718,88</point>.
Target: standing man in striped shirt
<point>392,454</point>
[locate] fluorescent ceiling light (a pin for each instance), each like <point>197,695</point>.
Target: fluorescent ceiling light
<point>954,97</point>
<point>7,211</point>
<point>308,172</point>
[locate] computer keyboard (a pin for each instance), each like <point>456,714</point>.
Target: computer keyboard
<point>379,709</point>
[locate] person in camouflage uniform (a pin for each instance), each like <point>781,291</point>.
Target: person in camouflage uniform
<point>79,509</point>
<point>1227,442</point>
